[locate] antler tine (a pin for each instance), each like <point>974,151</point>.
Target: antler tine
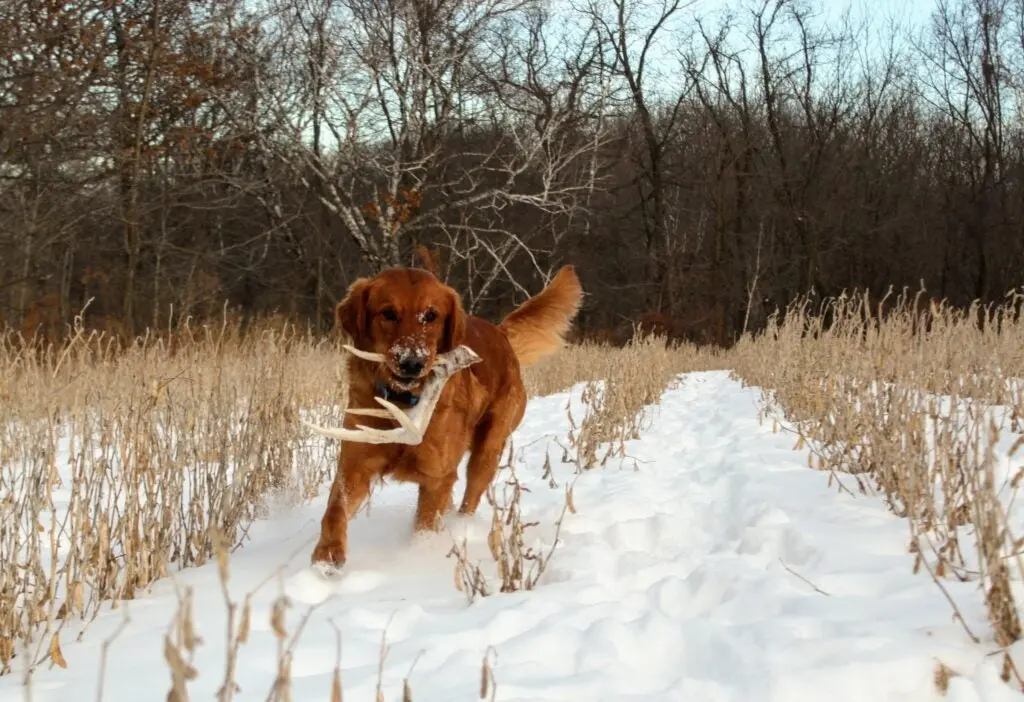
<point>365,355</point>
<point>368,412</point>
<point>412,425</point>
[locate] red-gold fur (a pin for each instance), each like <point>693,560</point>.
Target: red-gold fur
<point>479,407</point>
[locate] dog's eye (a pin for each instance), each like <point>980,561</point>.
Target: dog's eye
<point>428,316</point>
<point>389,314</point>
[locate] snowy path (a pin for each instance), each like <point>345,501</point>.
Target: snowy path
<point>720,568</point>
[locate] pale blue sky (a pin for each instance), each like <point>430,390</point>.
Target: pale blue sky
<point>916,11</point>
<point>663,59</point>
<point>880,13</point>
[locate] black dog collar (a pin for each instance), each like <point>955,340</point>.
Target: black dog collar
<point>405,397</point>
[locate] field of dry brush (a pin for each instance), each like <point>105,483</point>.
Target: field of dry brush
<point>178,443</point>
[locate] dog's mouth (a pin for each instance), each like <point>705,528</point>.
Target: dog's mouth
<point>404,382</point>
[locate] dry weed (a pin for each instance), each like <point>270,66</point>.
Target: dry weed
<point>911,404</point>
<point>625,384</point>
<point>184,638</point>
<point>518,565</point>
<point>620,385</point>
<point>575,363</point>
<point>120,463</point>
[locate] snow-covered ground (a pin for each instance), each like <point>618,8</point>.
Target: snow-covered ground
<point>711,564</point>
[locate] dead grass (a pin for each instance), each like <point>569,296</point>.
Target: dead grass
<point>184,640</point>
<point>652,359</point>
<point>117,465</point>
<point>120,465</point>
<point>621,386</point>
<point>518,565</point>
<point>913,411</point>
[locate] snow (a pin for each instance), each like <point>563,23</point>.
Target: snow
<point>708,564</point>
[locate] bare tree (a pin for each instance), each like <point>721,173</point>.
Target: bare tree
<point>50,63</point>
<point>620,22</point>
<point>390,112</point>
<point>551,92</point>
<point>174,155</point>
<point>967,76</point>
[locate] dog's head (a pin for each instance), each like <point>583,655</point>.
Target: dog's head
<point>407,315</point>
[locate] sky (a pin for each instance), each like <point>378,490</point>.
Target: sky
<point>907,13</point>
<point>664,57</point>
<point>916,11</point>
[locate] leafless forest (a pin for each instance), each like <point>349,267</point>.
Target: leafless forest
<point>164,159</point>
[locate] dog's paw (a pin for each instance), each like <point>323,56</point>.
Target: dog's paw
<point>328,553</point>
<point>328,570</point>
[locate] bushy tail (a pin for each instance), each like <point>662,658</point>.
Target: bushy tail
<point>538,326</point>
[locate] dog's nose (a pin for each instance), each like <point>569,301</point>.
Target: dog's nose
<point>411,366</point>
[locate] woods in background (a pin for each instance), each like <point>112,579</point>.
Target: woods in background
<point>699,165</point>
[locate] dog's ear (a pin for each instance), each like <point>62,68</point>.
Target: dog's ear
<point>454,323</point>
<point>351,315</point>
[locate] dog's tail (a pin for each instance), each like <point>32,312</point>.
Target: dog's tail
<point>537,327</point>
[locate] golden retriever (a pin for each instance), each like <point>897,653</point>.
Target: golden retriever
<point>408,317</point>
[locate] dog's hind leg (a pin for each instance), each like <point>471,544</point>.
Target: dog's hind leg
<point>489,441</point>
<point>435,498</point>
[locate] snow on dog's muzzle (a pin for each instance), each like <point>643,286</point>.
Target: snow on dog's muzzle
<point>409,358</point>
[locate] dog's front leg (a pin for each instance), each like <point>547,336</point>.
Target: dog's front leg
<point>349,491</point>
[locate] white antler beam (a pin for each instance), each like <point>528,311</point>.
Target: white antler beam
<point>365,355</point>
<point>412,426</point>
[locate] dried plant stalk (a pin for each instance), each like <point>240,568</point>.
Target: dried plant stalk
<point>121,463</point>
<point>904,398</point>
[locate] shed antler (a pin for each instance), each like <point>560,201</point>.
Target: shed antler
<point>365,355</point>
<point>412,425</point>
